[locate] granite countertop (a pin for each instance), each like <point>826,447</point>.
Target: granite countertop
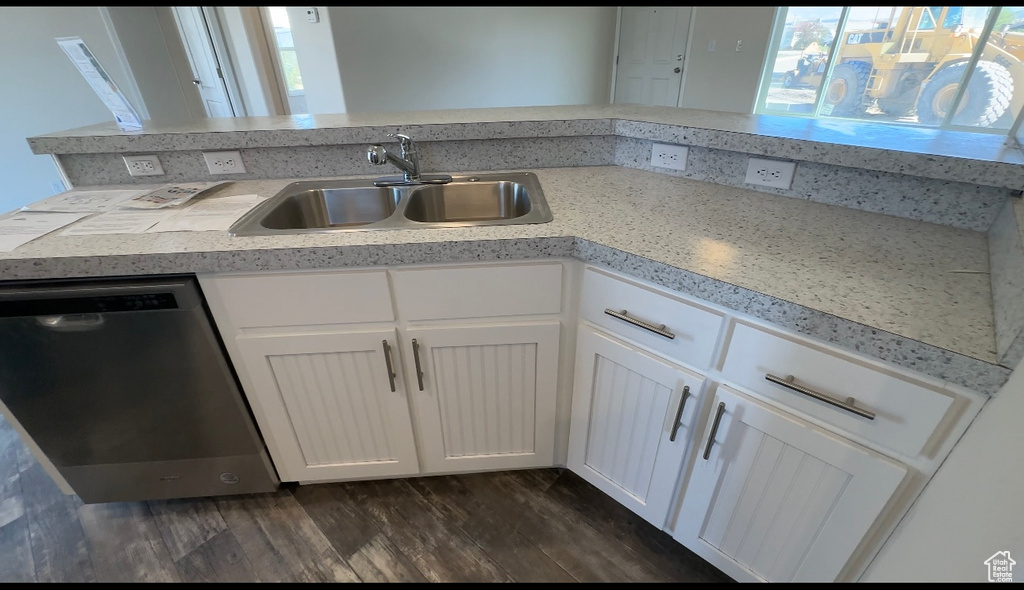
<point>912,293</point>
<point>979,158</point>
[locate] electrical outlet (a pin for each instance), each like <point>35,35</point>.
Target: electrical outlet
<point>668,156</point>
<point>143,165</point>
<point>224,162</point>
<point>773,173</point>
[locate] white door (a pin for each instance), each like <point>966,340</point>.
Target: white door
<point>652,45</point>
<point>623,436</point>
<point>484,396</point>
<point>774,498</point>
<point>332,411</point>
<point>206,68</point>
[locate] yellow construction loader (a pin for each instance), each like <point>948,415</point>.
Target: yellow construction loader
<point>914,59</point>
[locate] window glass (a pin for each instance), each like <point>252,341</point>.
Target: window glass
<point>896,64</point>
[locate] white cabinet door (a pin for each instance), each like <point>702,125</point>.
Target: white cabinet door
<point>773,498</point>
<point>330,406</point>
<point>623,436</point>
<point>484,395</point>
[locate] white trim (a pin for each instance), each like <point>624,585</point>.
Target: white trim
<point>220,51</point>
<point>277,71</point>
<point>615,53</point>
<point>686,55</point>
<point>132,86</point>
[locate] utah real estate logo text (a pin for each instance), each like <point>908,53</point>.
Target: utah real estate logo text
<point>1000,567</point>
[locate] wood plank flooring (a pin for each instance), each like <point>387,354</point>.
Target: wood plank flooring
<point>544,525</point>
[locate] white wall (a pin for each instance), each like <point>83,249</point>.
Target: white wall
<point>424,58</point>
<point>43,92</point>
<point>149,55</point>
<point>726,79</point>
<point>250,58</point>
<point>972,507</point>
<point>318,60</point>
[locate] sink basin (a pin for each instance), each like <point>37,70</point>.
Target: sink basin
<point>357,205</point>
<point>468,201</point>
<point>332,207</point>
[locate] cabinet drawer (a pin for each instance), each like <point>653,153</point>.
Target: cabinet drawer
<point>473,292</point>
<point>690,331</point>
<point>906,413</point>
<point>296,299</point>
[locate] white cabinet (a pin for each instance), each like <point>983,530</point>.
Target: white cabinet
<point>771,497</point>
<point>452,370</point>
<point>484,395</point>
<point>328,401</point>
<point>632,417</point>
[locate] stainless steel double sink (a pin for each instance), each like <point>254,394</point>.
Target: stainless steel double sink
<point>358,205</point>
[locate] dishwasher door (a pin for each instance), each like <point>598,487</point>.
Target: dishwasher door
<point>126,389</point>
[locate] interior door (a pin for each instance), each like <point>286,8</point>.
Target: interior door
<point>652,45</point>
<point>208,76</point>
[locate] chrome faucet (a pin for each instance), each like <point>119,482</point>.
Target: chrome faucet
<point>408,162</point>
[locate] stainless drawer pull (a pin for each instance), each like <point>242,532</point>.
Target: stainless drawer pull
<point>416,357</point>
<point>714,430</point>
<point>679,414</point>
<point>659,329</point>
<point>789,383</point>
<point>387,360</point>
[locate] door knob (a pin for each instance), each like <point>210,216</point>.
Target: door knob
<point>677,70</point>
<point>197,82</point>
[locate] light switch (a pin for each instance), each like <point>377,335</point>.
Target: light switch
<point>711,45</point>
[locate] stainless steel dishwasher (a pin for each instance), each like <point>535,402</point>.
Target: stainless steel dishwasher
<point>125,386</point>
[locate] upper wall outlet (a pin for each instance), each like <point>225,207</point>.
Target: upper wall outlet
<point>143,165</point>
<point>773,173</point>
<point>224,162</point>
<point>673,157</point>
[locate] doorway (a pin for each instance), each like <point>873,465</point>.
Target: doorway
<point>286,64</point>
<point>650,54</point>
<point>208,69</point>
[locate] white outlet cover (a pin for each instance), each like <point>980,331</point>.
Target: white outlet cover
<point>143,165</point>
<point>773,173</point>
<point>669,156</point>
<point>224,162</point>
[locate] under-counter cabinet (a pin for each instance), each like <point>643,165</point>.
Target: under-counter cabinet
<point>632,419</point>
<point>464,377</point>
<point>778,496</point>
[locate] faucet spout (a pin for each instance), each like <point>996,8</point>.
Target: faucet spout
<point>408,163</point>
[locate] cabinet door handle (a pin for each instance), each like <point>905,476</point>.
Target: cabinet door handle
<point>387,361</point>
<point>714,430</point>
<point>790,383</point>
<point>679,414</point>
<point>659,329</point>
<point>416,357</point>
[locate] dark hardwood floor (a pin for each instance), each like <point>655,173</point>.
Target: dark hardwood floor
<point>514,526</point>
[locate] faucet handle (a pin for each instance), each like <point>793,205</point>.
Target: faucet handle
<point>404,140</point>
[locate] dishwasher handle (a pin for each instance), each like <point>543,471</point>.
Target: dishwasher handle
<point>77,322</point>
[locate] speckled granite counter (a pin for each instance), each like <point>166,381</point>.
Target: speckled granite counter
<point>910,293</point>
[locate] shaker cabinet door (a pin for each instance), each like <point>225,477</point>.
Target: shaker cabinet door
<point>330,405</point>
<point>631,423</point>
<point>484,396</point>
<point>771,497</point>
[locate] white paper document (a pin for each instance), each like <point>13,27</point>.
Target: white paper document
<point>119,221</point>
<point>126,116</point>
<point>171,195</point>
<point>208,214</point>
<point>85,201</point>
<point>26,226</point>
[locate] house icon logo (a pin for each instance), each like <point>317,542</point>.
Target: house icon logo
<point>1000,567</point>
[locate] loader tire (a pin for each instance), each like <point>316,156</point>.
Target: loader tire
<point>846,87</point>
<point>987,97</point>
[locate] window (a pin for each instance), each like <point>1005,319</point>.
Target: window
<point>958,67</point>
<point>286,58</point>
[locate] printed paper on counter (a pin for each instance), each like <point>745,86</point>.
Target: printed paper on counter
<point>124,113</point>
<point>119,221</point>
<point>171,195</point>
<point>209,214</point>
<point>23,227</point>
<point>85,201</point>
